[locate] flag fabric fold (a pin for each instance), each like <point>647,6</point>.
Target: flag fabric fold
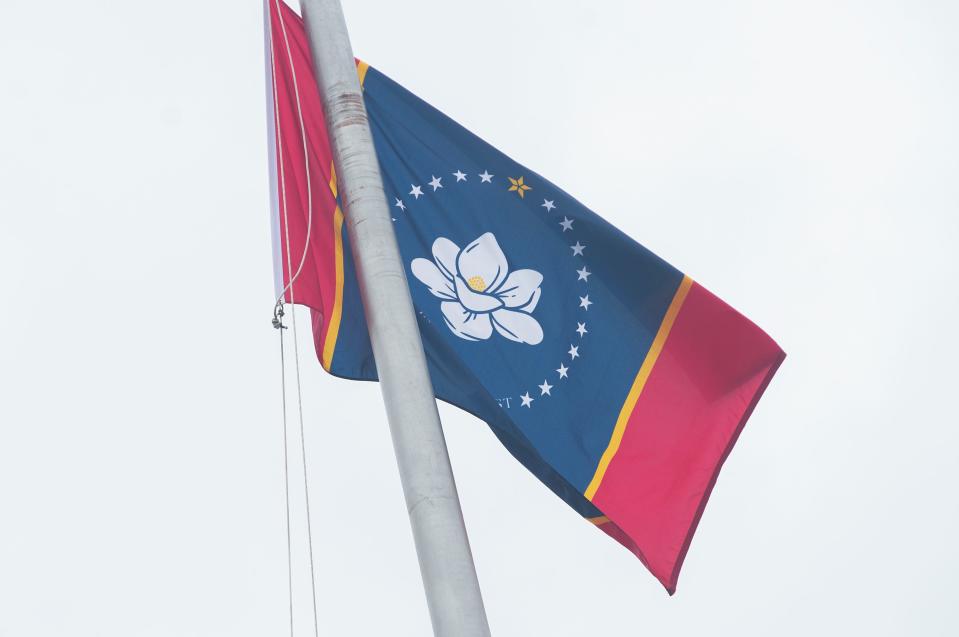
<point>616,379</point>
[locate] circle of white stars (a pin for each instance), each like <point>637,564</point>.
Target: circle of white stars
<point>578,249</point>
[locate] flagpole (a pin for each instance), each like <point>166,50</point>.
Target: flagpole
<point>446,563</point>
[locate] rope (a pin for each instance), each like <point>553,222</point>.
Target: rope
<point>306,481</point>
<point>277,322</point>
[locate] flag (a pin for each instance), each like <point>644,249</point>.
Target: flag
<point>616,379</point>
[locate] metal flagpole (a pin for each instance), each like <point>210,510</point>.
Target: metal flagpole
<point>446,564</point>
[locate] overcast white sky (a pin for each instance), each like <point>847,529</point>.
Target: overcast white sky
<point>797,158</point>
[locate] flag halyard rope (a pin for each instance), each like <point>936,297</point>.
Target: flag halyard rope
<point>278,323</point>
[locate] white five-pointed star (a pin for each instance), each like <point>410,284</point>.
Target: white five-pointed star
<point>417,192</point>
<point>399,204</point>
<point>581,329</point>
<point>436,183</point>
<point>485,177</point>
<point>460,175</point>
<point>577,249</point>
<point>548,204</point>
<point>573,351</point>
<point>584,302</point>
<point>583,274</point>
<point>562,370</point>
<point>527,400</point>
<point>567,224</point>
<point>544,388</point>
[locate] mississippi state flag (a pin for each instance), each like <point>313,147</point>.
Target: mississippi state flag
<point>616,379</point>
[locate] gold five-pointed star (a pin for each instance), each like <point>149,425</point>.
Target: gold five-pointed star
<point>518,186</point>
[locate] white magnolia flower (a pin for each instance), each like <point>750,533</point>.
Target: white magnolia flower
<point>479,293</point>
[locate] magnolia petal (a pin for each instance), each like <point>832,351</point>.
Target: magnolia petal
<point>465,324</point>
<point>445,251</point>
<point>529,307</point>
<point>430,276</point>
<point>474,301</point>
<point>483,258</point>
<point>517,326</point>
<point>519,288</point>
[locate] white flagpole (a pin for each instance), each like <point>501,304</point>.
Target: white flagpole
<point>446,564</point>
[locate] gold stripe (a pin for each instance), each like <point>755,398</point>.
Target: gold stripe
<point>329,343</point>
<point>333,329</point>
<point>361,68</point>
<point>638,384</point>
<point>599,520</point>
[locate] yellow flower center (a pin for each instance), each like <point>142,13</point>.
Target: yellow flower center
<point>477,283</point>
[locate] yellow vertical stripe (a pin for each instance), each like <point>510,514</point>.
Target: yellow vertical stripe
<point>361,69</point>
<point>329,343</point>
<point>644,371</point>
<point>333,329</point>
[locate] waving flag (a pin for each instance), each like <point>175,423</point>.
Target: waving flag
<point>616,379</point>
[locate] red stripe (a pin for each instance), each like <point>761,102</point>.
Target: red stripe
<point>712,371</point>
